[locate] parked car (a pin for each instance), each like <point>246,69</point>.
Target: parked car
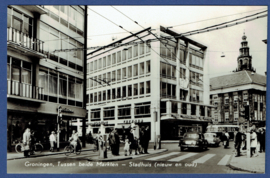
<point>193,140</point>
<point>212,139</point>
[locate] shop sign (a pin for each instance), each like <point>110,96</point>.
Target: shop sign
<point>66,110</point>
<point>133,121</point>
<point>98,123</point>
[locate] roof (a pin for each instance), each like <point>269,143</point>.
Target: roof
<point>236,79</point>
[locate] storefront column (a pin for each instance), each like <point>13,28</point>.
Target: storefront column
<point>168,108</point>
<point>179,107</point>
<point>197,110</point>
<point>188,109</point>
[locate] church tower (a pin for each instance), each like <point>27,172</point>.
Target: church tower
<point>244,60</point>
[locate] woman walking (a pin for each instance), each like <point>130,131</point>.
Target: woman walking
<point>26,142</point>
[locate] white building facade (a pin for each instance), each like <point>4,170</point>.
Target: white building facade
<point>153,83</point>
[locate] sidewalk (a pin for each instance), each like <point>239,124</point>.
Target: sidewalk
<point>253,164</point>
<point>14,155</point>
<point>88,147</point>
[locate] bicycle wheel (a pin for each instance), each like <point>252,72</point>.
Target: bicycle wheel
<point>18,148</point>
<point>78,151</point>
<point>38,148</point>
<point>68,150</point>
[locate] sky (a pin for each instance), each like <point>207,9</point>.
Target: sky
<point>183,19</point>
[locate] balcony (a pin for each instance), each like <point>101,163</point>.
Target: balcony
<point>19,41</point>
<point>24,91</point>
<point>37,9</point>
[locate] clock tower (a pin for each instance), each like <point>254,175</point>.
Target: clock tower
<point>244,60</point>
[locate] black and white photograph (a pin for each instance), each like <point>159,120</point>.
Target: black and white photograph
<point>136,89</point>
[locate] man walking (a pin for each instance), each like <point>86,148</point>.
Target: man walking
<point>238,141</point>
<point>146,140</point>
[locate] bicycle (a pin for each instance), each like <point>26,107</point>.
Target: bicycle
<point>36,148</point>
<point>70,149</point>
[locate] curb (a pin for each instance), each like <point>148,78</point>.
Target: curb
<point>241,169</point>
<point>34,156</point>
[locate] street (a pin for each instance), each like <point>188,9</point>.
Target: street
<point>212,160</point>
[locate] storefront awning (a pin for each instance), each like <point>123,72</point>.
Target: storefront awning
<point>183,117</point>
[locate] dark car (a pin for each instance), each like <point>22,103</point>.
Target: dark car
<point>193,140</point>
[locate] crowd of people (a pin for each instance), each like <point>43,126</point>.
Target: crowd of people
<point>133,141</point>
<point>257,141</point>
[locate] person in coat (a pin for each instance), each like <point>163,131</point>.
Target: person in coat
<point>146,139</point>
<point>253,143</point>
<point>238,142</point>
<point>142,138</point>
<point>117,142</point>
<point>52,139</point>
<point>26,141</point>
<point>112,142</point>
<point>262,141</point>
<point>131,141</point>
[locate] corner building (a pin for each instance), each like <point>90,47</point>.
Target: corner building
<point>40,80</point>
<point>240,98</point>
<point>152,83</point>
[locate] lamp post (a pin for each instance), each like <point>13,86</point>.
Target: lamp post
<point>59,120</point>
<point>155,127</point>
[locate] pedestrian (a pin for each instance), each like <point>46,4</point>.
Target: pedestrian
<point>262,141</point>
<point>74,139</point>
<point>136,145</point>
<point>258,132</point>
<point>52,141</point>
<point>127,146</point>
<point>146,139</point>
<point>253,143</point>
<point>238,141</point>
<point>131,140</point>
<point>124,134</point>
<point>26,142</point>
<point>117,142</point>
<point>142,138</point>
<point>112,142</point>
<point>32,143</point>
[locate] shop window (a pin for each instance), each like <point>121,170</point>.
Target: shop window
<point>108,113</point>
<point>95,114</point>
<point>193,109</point>
<point>163,89</point>
<point>183,94</point>
<point>202,108</point>
<point>169,89</point>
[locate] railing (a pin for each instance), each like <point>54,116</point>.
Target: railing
<point>24,40</point>
<point>25,90</point>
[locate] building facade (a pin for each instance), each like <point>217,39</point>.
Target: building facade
<point>240,97</point>
<point>40,80</point>
<point>151,83</point>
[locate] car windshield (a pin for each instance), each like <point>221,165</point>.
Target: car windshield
<point>191,135</point>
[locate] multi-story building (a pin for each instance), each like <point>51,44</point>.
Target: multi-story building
<point>151,83</point>
<point>40,80</point>
<point>241,96</point>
